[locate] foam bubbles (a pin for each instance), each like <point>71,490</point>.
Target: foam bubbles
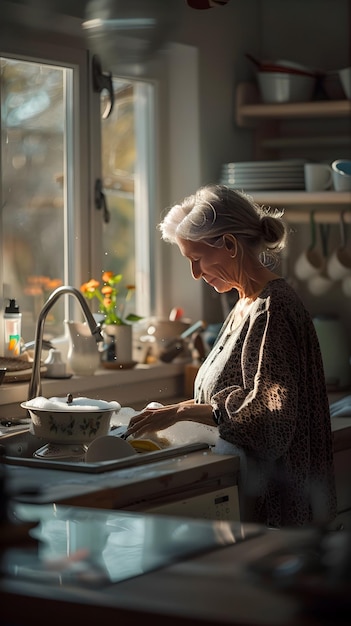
<point>60,404</point>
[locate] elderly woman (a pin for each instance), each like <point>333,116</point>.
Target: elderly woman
<point>263,382</point>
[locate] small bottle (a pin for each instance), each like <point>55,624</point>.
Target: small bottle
<point>12,329</point>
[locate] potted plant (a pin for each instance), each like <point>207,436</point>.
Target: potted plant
<point>116,325</point>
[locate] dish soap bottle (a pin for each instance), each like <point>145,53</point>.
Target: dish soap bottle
<point>12,329</point>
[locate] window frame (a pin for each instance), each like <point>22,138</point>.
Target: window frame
<point>145,216</point>
<point>84,249</point>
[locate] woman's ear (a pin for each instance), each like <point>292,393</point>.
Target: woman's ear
<point>231,245</point>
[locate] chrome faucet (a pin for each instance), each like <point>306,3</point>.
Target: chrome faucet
<point>35,383</point>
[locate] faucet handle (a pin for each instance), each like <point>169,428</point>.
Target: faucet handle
<point>97,333</point>
<point>46,345</point>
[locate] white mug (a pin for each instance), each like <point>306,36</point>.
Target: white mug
<point>309,263</point>
<point>339,264</point>
<point>341,169</point>
<point>318,176</point>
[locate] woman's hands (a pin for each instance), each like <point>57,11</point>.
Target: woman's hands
<point>152,420</point>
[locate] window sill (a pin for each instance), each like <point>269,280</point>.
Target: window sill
<point>131,387</point>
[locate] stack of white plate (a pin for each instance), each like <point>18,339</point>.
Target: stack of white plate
<point>264,175</point>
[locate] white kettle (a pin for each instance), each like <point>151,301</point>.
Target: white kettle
<point>334,344</point>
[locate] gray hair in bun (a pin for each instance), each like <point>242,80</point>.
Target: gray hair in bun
<point>216,210</point>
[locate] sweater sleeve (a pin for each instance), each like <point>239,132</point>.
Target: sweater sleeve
<point>261,416</point>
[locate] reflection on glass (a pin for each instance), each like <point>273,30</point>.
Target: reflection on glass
<point>33,113</point>
<point>118,169</point>
<point>127,143</point>
<point>83,546</point>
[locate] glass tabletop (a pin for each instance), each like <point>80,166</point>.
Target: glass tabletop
<point>78,546</point>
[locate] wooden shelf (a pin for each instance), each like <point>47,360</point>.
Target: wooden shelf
<point>297,205</point>
<point>320,217</point>
<point>327,206</point>
<point>314,141</point>
<point>323,199</point>
<point>264,118</point>
<point>249,107</point>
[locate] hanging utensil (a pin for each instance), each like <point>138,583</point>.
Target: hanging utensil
<point>339,264</point>
<point>310,262</point>
<point>342,231</point>
<point>320,283</point>
<point>324,233</point>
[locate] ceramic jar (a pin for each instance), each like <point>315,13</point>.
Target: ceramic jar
<point>118,345</point>
<point>83,357</point>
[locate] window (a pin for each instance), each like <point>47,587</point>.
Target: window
<point>126,158</point>
<point>35,100</point>
<point>49,234</point>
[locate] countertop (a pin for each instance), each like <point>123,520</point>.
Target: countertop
<point>174,571</point>
<point>188,469</point>
<point>122,482</point>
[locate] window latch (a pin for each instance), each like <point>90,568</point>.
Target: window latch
<point>103,80</point>
<point>100,201</point>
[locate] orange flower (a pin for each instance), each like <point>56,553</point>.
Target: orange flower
<point>41,285</point>
<point>106,276</point>
<point>53,284</point>
<point>107,297</point>
<point>107,290</point>
<point>33,290</point>
<point>90,286</point>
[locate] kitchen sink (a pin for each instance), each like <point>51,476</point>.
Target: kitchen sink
<point>20,445</point>
<point>184,479</point>
<point>18,440</point>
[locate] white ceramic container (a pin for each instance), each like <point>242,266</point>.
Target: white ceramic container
<point>285,87</point>
<point>318,176</point>
<point>341,169</point>
<point>83,356</point>
<point>78,422</point>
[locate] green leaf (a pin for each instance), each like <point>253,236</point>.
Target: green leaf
<point>133,318</point>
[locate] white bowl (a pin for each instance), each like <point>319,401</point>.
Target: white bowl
<point>345,78</point>
<point>108,448</point>
<point>164,329</point>
<point>79,422</point>
<point>283,87</point>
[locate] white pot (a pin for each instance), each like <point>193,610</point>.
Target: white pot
<point>79,422</point>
